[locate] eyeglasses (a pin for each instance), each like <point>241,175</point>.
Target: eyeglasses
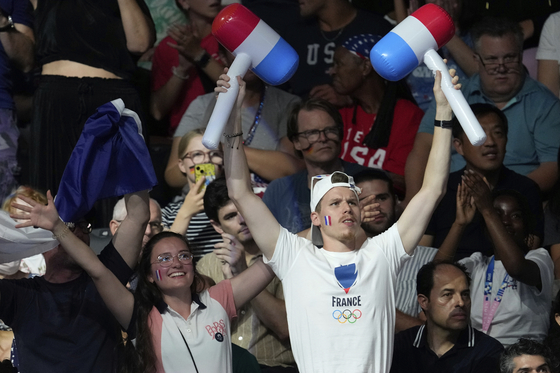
<point>84,226</point>
<point>312,136</point>
<point>155,226</point>
<point>198,156</point>
<point>510,62</point>
<point>166,259</point>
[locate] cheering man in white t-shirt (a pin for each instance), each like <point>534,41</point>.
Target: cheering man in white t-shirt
<point>339,298</point>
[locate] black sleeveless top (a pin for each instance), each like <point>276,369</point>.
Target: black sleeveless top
<point>89,32</point>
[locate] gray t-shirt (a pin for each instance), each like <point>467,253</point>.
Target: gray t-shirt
<point>271,127</point>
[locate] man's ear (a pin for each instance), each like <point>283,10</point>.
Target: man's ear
<point>423,301</point>
<point>113,226</point>
<point>217,226</point>
<point>315,219</point>
<point>458,144</point>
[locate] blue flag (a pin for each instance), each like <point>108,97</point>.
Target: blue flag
<point>110,159</point>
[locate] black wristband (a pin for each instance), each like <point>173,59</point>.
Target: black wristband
<point>203,61</point>
<point>443,123</point>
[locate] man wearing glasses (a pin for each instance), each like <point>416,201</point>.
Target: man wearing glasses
<point>154,225</point>
<point>532,111</point>
<point>315,128</point>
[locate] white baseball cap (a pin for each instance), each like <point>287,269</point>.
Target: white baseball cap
<point>321,184</point>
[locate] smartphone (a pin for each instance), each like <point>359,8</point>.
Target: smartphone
<point>205,169</point>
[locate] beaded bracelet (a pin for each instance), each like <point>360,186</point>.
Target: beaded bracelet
<point>233,135</point>
<point>65,232</point>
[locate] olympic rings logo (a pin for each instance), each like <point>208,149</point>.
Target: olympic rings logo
<point>347,315</point>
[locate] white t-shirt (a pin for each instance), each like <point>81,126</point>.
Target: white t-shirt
<point>340,306</point>
<point>549,43</point>
<point>524,311</point>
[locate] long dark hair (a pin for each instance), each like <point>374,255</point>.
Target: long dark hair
<point>379,135</point>
<point>142,358</point>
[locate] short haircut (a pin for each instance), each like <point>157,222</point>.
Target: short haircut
<point>309,105</point>
<point>480,110</point>
<point>529,220</point>
<point>425,276</point>
<point>119,211</point>
<point>497,27</point>
<point>526,347</point>
<point>374,174</point>
<point>215,197</point>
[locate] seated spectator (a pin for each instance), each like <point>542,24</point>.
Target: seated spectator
<point>548,54</point>
<point>261,326</point>
<point>314,34</point>
<point>511,290</point>
<point>446,342</point>
<point>528,356</point>
<point>315,128</point>
<point>154,224</point>
<point>187,217</point>
<point>380,126</point>
<point>265,113</point>
<point>376,183</point>
<point>552,227</point>
<point>553,338</point>
<point>487,161</point>
<point>170,309</point>
<point>533,112</point>
<point>457,51</point>
<point>186,63</point>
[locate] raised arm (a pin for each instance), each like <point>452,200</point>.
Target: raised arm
<point>128,238</point>
<point>18,42</point>
<point>505,247</point>
<point>117,298</point>
<point>259,219</point>
<point>139,28</point>
<point>416,216</point>
<point>464,216</point>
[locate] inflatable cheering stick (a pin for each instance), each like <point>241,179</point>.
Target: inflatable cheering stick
<point>255,45</point>
<point>416,40</point>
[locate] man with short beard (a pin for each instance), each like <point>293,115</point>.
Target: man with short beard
<point>446,342</point>
<point>378,183</point>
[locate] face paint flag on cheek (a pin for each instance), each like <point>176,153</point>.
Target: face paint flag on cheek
<point>328,220</point>
<point>158,275</point>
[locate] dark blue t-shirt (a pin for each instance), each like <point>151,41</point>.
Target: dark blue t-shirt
<point>63,327</point>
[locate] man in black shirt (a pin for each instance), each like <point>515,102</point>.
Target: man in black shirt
<point>446,343</point>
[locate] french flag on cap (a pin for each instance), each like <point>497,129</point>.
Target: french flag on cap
<point>240,31</point>
<point>402,49</point>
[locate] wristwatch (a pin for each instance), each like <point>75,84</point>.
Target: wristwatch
<point>9,26</point>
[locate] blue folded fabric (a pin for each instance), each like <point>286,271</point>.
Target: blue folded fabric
<point>110,159</point>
